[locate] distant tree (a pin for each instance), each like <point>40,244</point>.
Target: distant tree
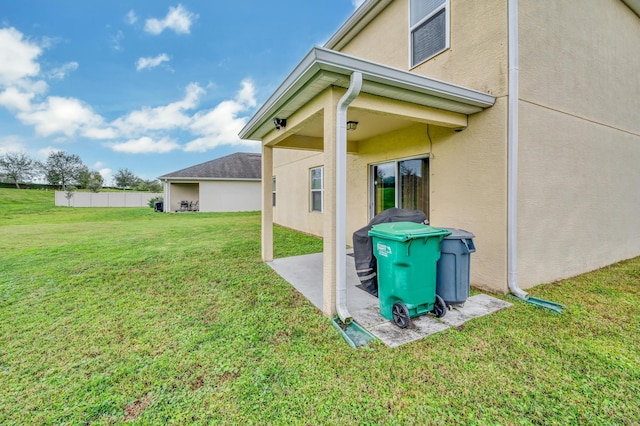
<point>18,167</point>
<point>63,169</point>
<point>95,181</point>
<point>125,179</point>
<point>68,193</point>
<point>152,185</point>
<point>84,176</point>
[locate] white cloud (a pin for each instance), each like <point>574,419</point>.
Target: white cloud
<point>11,144</point>
<point>131,17</point>
<point>178,19</point>
<point>60,72</point>
<point>44,152</point>
<point>60,115</point>
<point>106,173</point>
<point>220,125</point>
<point>144,63</point>
<point>100,132</point>
<point>116,41</point>
<point>357,3</point>
<point>17,57</point>
<point>145,145</point>
<point>160,118</point>
<point>14,99</point>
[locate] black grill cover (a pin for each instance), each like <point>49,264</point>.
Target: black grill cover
<point>363,247</point>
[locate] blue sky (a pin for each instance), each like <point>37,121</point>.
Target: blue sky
<point>153,86</point>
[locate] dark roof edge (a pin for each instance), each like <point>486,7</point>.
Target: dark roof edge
<point>633,5</point>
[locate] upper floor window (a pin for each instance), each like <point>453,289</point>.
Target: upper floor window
<point>429,28</point>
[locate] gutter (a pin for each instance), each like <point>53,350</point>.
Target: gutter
<point>355,86</point>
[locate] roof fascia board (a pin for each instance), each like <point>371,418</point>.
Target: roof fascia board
<point>345,64</point>
<point>633,5</point>
<point>356,22</point>
<point>198,179</point>
<point>321,59</point>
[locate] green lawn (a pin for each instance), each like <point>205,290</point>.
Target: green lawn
<point>124,315</point>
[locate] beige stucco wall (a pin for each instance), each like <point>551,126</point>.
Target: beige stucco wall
<point>230,196</point>
<point>291,169</point>
<point>477,57</point>
<point>579,138</point>
<point>467,185</point>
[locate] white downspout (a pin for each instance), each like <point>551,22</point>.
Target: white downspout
<point>341,195</point>
<point>512,158</point>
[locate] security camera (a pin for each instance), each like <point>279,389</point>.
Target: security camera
<point>280,123</point>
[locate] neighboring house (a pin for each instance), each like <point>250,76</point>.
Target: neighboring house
<point>516,120</point>
<point>226,184</point>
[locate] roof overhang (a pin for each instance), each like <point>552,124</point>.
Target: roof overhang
<point>633,5</point>
<point>200,179</point>
<point>323,68</point>
<point>356,22</point>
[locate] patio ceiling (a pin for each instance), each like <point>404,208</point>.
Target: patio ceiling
<point>323,68</point>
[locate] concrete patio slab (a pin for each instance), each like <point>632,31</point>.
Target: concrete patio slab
<point>304,273</point>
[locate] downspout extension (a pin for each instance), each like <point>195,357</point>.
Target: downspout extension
<point>355,86</point>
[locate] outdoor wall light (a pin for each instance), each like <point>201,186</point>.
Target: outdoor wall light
<point>280,123</point>
<point>352,125</point>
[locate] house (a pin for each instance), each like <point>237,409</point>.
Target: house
<point>226,184</point>
<point>516,120</point>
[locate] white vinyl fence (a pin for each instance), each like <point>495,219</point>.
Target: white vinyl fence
<point>106,199</point>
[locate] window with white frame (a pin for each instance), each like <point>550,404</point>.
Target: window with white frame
<point>400,183</point>
<point>429,29</point>
<point>273,191</point>
<point>317,188</point>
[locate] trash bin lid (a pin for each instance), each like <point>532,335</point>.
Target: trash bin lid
<point>404,231</point>
<point>458,234</point>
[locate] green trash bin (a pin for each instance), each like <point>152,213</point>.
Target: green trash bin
<point>407,254</point>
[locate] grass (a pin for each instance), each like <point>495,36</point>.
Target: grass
<point>112,316</point>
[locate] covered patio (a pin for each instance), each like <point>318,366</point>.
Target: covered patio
<point>304,273</point>
<point>310,110</point>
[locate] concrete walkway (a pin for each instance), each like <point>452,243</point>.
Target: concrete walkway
<point>305,274</point>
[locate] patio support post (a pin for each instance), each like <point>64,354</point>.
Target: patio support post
<point>267,208</point>
<point>329,207</point>
<point>167,196</point>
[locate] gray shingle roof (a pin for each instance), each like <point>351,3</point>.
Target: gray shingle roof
<point>241,165</point>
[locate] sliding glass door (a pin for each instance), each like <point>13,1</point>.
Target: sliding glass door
<point>402,183</point>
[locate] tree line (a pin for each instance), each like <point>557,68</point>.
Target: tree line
<point>68,172</point>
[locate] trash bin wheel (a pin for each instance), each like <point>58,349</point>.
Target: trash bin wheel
<point>400,315</point>
<point>439,307</point>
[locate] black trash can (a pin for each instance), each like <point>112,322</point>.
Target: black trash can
<point>365,261</point>
<point>158,206</point>
<point>453,269</point>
